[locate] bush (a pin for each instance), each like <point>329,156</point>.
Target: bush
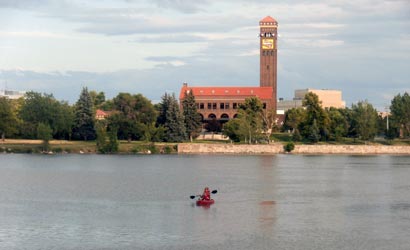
<point>167,150</point>
<point>289,147</point>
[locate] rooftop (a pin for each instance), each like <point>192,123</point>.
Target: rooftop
<point>240,92</point>
<point>268,19</point>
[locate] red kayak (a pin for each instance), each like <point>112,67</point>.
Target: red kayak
<point>204,202</point>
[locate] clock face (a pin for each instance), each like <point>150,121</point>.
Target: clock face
<point>268,44</point>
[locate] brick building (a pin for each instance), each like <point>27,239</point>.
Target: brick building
<point>221,103</point>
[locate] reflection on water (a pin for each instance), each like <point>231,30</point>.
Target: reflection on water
<point>263,202</point>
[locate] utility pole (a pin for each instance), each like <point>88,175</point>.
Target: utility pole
<point>387,118</point>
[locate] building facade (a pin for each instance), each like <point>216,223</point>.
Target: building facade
<point>328,98</point>
<point>221,103</point>
<point>269,54</point>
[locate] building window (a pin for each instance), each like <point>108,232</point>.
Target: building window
<point>235,105</point>
<point>201,105</point>
<point>267,67</point>
<point>214,105</point>
<point>197,105</point>
<point>222,105</point>
<point>264,105</point>
<point>227,105</point>
<point>209,105</point>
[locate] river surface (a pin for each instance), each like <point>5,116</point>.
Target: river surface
<point>263,202</point>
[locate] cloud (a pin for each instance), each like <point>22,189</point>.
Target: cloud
<point>360,47</point>
<point>185,6</point>
<point>32,34</point>
<point>171,39</point>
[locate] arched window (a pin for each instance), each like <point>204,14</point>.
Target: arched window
<point>225,116</point>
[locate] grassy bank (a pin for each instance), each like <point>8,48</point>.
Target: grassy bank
<point>82,147</point>
<point>138,147</point>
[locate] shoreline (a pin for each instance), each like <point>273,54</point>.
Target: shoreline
<point>277,148</point>
<point>80,147</point>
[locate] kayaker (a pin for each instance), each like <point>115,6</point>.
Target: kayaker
<point>206,195</point>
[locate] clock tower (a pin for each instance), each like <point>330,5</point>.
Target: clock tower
<point>268,54</point>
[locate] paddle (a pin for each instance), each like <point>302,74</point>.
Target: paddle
<point>193,196</point>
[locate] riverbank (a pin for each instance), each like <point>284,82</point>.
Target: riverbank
<point>277,148</point>
<point>83,147</point>
<point>135,147</point>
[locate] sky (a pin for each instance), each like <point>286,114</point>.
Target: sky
<point>151,47</point>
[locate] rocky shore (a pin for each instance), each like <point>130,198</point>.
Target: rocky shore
<point>277,148</point>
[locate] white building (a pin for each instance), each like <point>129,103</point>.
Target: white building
<point>11,94</point>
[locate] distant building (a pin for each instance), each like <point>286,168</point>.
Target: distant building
<point>100,114</point>
<point>284,105</point>
<point>221,103</point>
<point>11,94</point>
<point>328,97</point>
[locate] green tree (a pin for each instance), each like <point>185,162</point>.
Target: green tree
<point>8,119</point>
<point>97,98</point>
<point>84,117</point>
<point>106,142</point>
<point>133,113</point>
<point>364,120</point>
<point>269,122</point>
<point>174,120</point>
<point>293,118</point>
<point>163,107</point>
<point>232,130</point>
<point>400,114</point>
<point>153,133</point>
<point>250,115</point>
<point>316,117</point>
<point>339,125</point>
<point>44,108</point>
<point>249,124</point>
<point>192,118</point>
<point>313,132</point>
<point>44,133</point>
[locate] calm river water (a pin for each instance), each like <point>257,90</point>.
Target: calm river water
<point>263,202</point>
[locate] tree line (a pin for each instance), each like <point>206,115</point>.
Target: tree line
<point>134,117</point>
<point>311,123</point>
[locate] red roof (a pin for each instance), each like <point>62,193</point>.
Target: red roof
<point>228,92</point>
<point>99,112</point>
<point>268,19</point>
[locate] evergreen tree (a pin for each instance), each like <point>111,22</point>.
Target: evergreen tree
<point>163,107</point>
<point>192,118</point>
<point>84,117</point>
<point>313,132</point>
<point>174,120</point>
